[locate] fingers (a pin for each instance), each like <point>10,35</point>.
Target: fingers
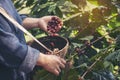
<point>62,63</point>
<point>53,34</point>
<point>56,72</point>
<point>58,68</point>
<point>53,63</point>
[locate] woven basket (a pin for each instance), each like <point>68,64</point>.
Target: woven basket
<point>52,42</point>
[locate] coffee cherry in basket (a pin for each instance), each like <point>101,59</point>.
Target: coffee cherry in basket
<point>54,25</point>
<point>52,44</point>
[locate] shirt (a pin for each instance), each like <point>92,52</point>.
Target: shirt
<point>16,58</point>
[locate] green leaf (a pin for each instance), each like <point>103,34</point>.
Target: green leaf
<point>114,57</point>
<point>44,11</point>
<point>29,3</point>
<point>72,74</point>
<point>103,75</point>
<point>60,2</point>
<point>52,8</point>
<point>118,42</point>
<point>43,75</point>
<point>87,38</point>
<point>42,1</point>
<point>84,65</point>
<point>76,45</point>
<point>58,12</point>
<point>108,65</point>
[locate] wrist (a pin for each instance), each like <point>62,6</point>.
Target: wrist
<point>29,23</point>
<point>42,24</point>
<point>41,59</point>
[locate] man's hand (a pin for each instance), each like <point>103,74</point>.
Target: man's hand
<point>51,63</point>
<point>50,24</point>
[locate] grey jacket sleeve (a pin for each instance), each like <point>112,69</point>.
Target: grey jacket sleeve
<point>13,53</point>
<point>30,60</point>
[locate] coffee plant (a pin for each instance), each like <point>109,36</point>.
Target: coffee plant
<point>93,30</point>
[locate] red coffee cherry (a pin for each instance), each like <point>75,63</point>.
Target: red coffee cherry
<point>52,44</point>
<point>54,25</point>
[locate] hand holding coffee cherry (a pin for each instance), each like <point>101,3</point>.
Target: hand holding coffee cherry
<point>54,25</point>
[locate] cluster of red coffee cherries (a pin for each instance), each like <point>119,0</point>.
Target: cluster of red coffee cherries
<point>54,25</point>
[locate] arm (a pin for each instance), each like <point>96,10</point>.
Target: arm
<point>30,23</point>
<point>42,23</point>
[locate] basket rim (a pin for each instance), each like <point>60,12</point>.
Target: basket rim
<point>67,44</point>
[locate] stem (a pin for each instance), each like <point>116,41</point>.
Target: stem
<point>81,31</point>
<point>71,17</point>
<point>90,68</point>
<point>111,17</point>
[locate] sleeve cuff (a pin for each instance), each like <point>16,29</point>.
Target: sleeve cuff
<point>30,60</point>
<point>23,16</point>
